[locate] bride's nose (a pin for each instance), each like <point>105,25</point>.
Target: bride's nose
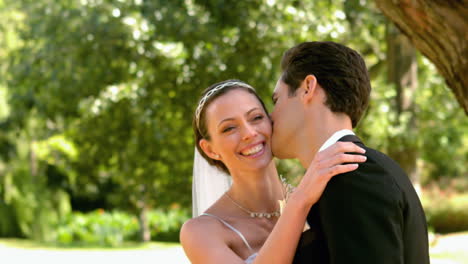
<point>248,131</point>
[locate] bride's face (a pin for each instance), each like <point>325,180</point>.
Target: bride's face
<point>240,131</point>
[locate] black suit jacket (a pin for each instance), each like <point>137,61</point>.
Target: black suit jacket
<point>370,215</point>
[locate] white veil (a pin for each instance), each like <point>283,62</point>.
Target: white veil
<point>209,183</point>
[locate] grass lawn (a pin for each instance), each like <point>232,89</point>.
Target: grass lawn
<point>29,244</point>
<point>445,249</point>
<point>19,251</point>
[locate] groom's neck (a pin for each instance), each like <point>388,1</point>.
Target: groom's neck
<point>319,131</point>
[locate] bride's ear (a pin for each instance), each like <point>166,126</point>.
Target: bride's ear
<point>208,149</point>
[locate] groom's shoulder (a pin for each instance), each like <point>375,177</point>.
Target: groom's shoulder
<point>379,174</point>
<point>377,162</point>
<point>381,164</point>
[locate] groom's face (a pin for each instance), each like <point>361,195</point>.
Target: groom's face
<point>287,119</point>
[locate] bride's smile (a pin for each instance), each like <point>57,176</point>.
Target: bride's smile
<point>254,151</point>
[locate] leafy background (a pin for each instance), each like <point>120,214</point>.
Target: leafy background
<point>97,96</point>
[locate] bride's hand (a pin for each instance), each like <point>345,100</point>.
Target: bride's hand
<point>326,164</point>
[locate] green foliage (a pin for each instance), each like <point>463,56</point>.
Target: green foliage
<point>96,99</point>
<point>33,206</point>
<point>446,205</point>
<point>111,229</point>
<point>165,224</point>
<point>447,214</point>
<point>438,138</point>
<point>8,222</point>
<point>96,228</point>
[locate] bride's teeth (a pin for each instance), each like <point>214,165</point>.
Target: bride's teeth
<point>253,150</point>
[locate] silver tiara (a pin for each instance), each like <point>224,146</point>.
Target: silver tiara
<point>213,91</point>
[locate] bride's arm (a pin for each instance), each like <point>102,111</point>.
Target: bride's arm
<point>281,244</point>
<point>203,243</point>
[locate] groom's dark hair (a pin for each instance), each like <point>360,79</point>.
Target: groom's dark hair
<point>339,70</point>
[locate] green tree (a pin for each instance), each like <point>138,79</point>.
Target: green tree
<point>103,93</point>
<point>438,30</point>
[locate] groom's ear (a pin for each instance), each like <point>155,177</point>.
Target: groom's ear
<point>208,149</point>
<point>310,87</point>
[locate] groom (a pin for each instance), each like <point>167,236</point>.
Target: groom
<point>370,215</point>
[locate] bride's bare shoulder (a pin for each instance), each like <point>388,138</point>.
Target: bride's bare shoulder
<point>199,227</point>
<point>205,240</point>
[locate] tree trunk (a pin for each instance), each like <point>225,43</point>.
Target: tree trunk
<point>145,233</point>
<point>402,73</point>
<point>437,28</point>
<point>37,231</point>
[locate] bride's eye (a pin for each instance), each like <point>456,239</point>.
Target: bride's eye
<point>258,117</point>
<point>227,129</point>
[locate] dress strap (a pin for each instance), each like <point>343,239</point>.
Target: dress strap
<point>232,228</point>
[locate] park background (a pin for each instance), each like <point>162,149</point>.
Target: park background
<point>97,97</point>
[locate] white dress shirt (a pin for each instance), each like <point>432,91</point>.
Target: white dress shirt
<point>335,137</point>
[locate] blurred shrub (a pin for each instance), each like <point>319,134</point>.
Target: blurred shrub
<point>8,222</point>
<point>110,229</point>
<point>97,228</point>
<point>446,211</point>
<point>165,224</point>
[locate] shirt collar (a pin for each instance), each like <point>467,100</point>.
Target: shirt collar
<point>335,137</point>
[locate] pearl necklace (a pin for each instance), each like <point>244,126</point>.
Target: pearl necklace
<point>276,213</point>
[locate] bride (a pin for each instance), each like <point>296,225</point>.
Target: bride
<point>246,224</point>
